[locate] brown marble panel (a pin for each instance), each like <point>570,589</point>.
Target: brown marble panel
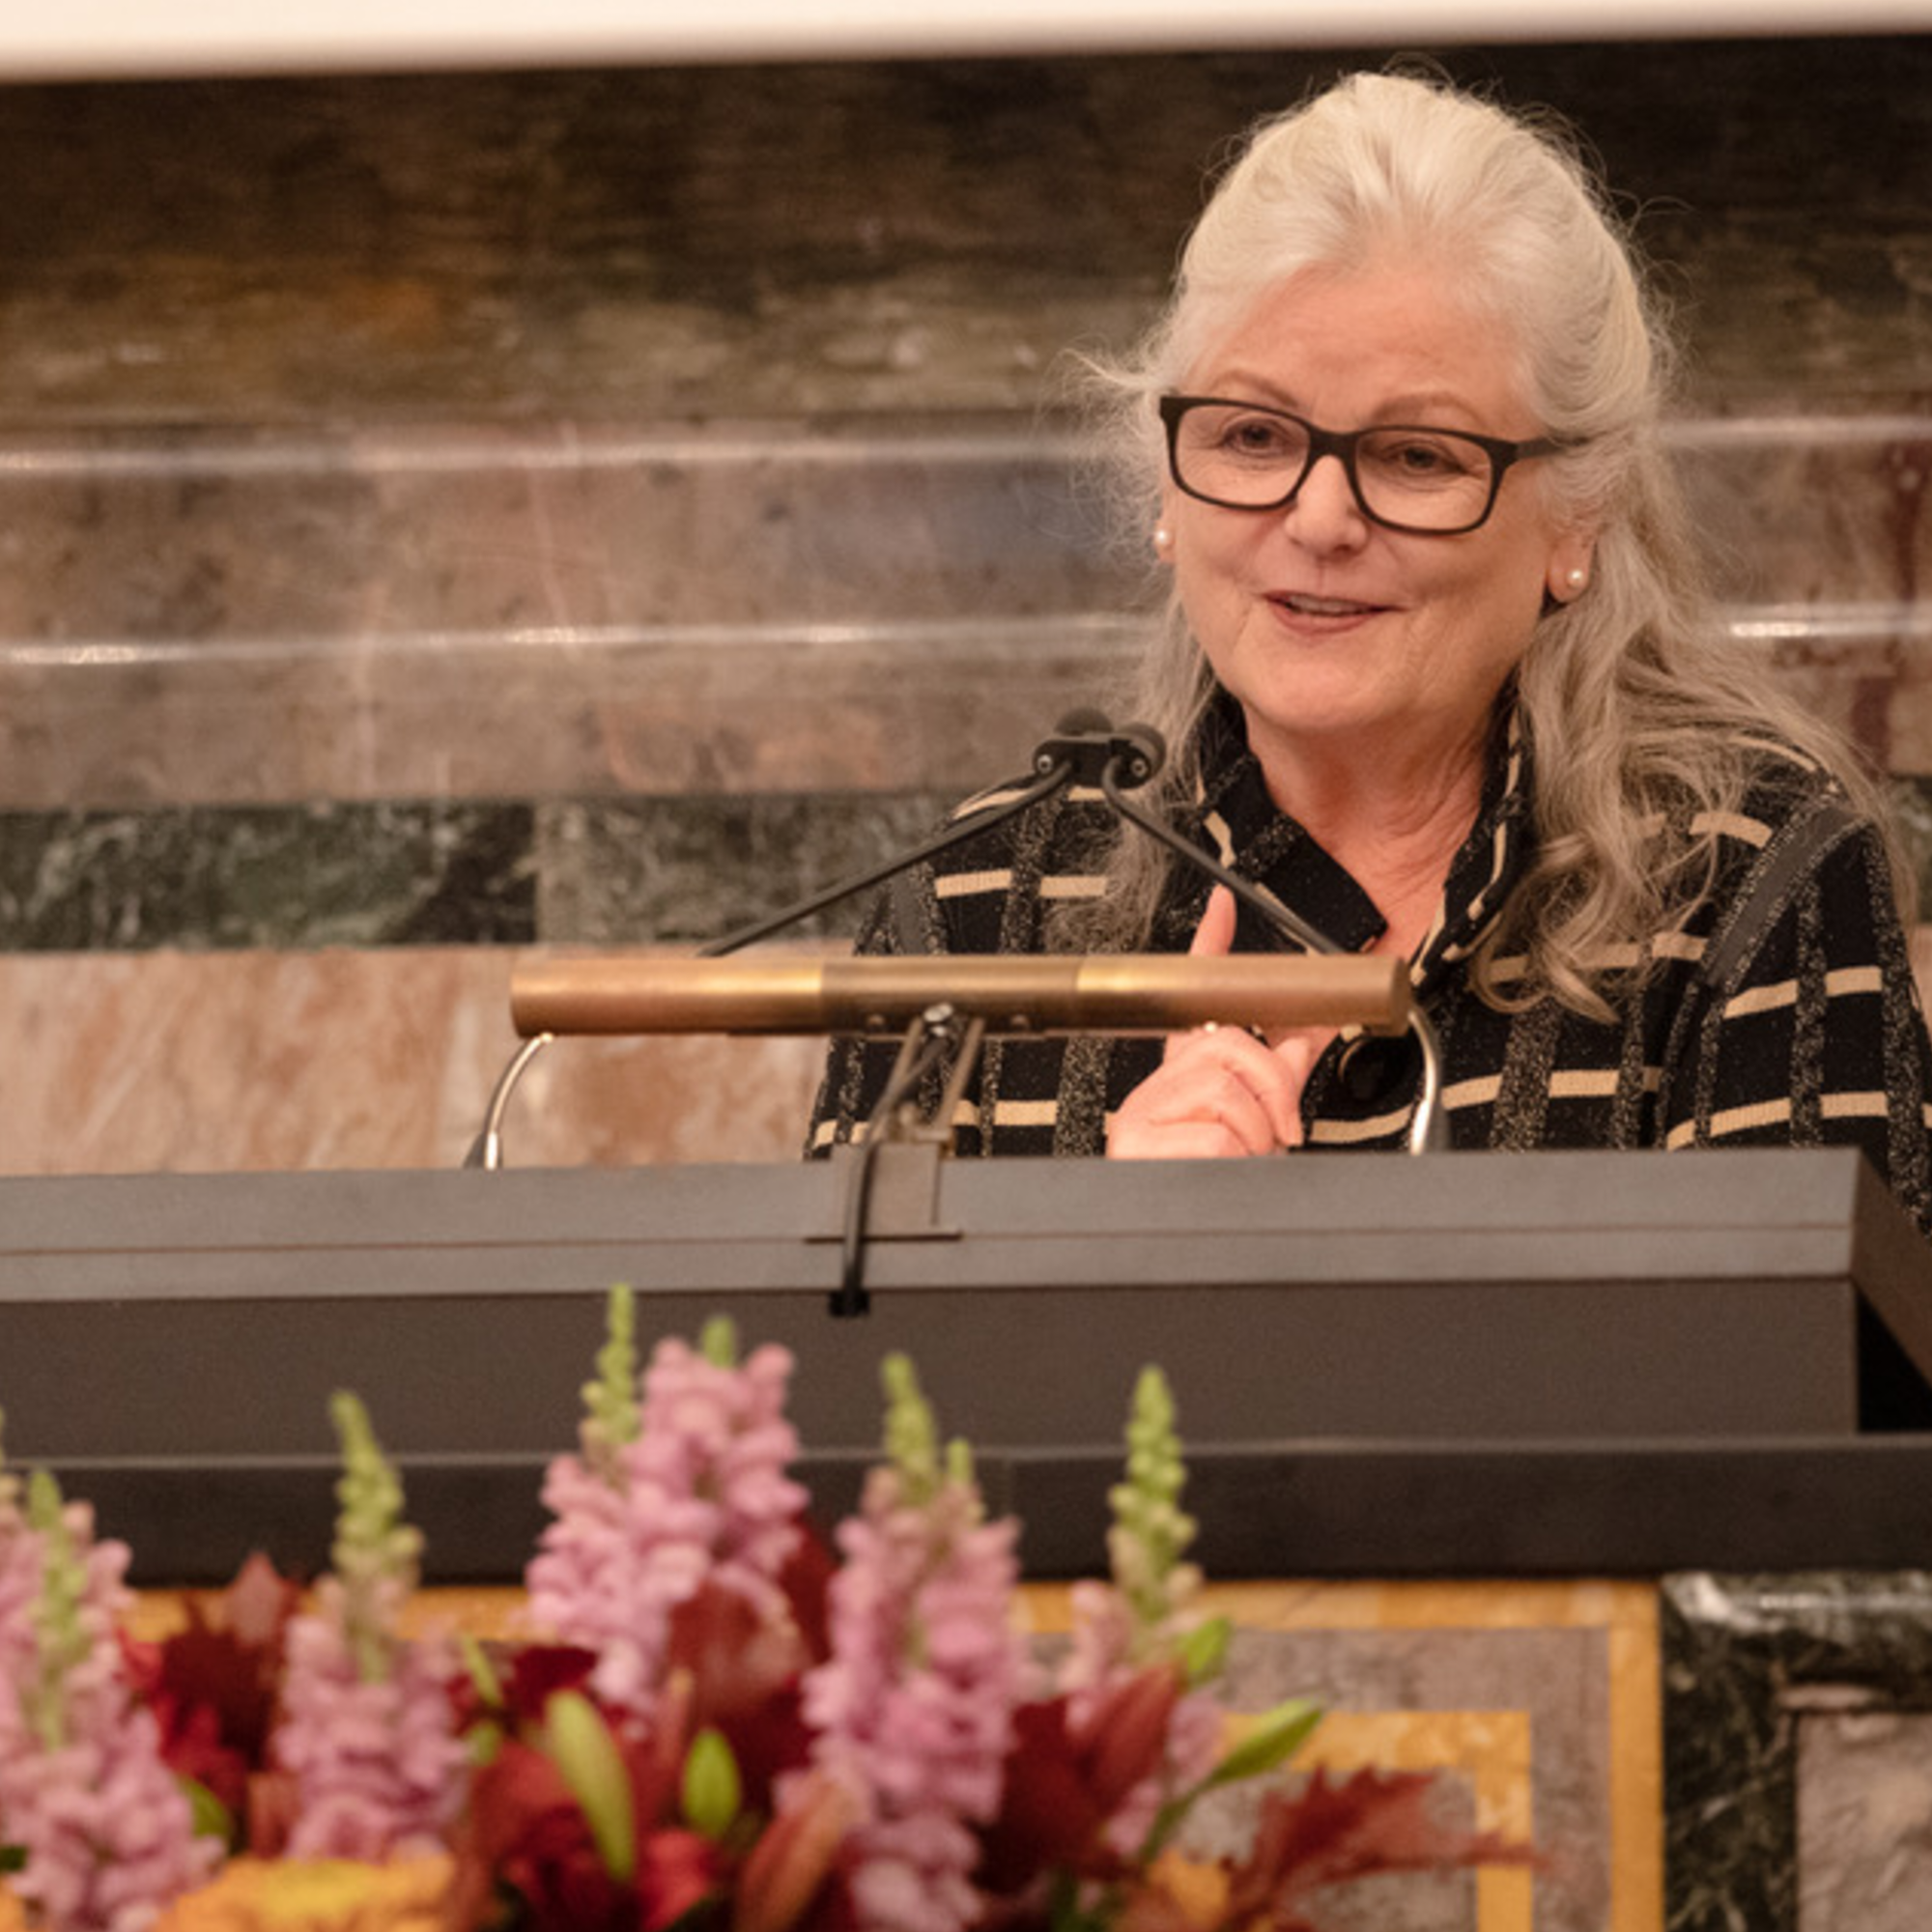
<point>1812,508</point>
<point>835,235</point>
<point>940,707</point>
<point>472,529</point>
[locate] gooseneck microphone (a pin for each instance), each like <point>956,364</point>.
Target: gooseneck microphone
<point>1078,751</point>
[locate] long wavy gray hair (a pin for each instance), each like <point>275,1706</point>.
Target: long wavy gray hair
<point>1642,710</point>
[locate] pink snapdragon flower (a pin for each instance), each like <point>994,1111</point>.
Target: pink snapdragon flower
<point>367,1730</point>
<point>690,1490</point>
<point>913,1711</point>
<point>106,1830</point>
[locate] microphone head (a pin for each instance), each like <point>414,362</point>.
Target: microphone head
<point>1092,749</point>
<point>1140,751</point>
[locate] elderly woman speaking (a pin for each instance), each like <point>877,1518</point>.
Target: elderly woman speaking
<point>1436,675</point>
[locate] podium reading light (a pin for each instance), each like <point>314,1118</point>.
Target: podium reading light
<point>1000,994</point>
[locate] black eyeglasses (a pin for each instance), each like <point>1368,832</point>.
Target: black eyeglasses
<point>1431,482</point>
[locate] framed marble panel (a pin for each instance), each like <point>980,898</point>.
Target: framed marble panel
<point>1533,1705</point>
<point>1798,1752</point>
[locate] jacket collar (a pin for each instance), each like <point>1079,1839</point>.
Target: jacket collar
<point>1234,818</point>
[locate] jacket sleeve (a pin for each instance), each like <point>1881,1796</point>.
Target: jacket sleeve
<point>1813,1033</point>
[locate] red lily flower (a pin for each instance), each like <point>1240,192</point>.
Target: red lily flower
<point>212,1686</point>
<point>1061,1786</point>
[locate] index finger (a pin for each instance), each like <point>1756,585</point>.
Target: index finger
<point>1214,937</point>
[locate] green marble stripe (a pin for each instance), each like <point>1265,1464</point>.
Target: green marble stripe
<point>595,871</point>
<point>278,876</point>
<point>685,870</point>
<point>677,870</point>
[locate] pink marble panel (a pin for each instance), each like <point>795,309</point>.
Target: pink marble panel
<point>210,1063</point>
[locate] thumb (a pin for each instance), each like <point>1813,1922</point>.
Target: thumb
<point>1215,936</point>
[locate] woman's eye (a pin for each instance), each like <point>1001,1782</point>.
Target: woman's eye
<point>1257,436</point>
<point>1419,459</point>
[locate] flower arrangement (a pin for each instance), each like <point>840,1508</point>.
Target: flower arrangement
<point>713,1719</point>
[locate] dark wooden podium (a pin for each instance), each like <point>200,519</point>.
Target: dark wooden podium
<point>1469,1364</point>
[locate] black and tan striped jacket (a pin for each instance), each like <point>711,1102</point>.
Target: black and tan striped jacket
<point>1782,1009</point>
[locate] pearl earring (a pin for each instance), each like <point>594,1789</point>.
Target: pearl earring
<point>1577,578</point>
<point>1163,538</point>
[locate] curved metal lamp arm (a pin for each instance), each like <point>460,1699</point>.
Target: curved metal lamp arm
<point>486,1150</point>
<point>1428,1128</point>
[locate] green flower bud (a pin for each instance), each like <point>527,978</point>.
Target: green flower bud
<point>60,1639</point>
<point>912,1439</point>
<point>581,1745</point>
<point>1277,1734</point>
<point>1150,1531</point>
<point>611,1399</point>
<point>713,1790</point>
<point>373,1545</point>
<point>717,1342</point>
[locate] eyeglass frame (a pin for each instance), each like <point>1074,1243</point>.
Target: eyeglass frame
<point>1339,443</point>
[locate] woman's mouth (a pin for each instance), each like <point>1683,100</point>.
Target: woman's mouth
<point>1303,604</point>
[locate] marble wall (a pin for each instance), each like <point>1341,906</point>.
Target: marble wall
<point>443,516</point>
<point>446,515</point>
<point>1796,1751</point>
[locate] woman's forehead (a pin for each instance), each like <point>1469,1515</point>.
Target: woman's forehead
<point>1384,338</point>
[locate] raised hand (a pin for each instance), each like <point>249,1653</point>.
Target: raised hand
<point>1219,1090</point>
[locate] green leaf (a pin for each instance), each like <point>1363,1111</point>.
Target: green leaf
<point>482,1672</point>
<point>208,1816</point>
<point>582,1747</point>
<point>1277,1734</point>
<point>12,1857</point>
<point>1066,1914</point>
<point>713,1789</point>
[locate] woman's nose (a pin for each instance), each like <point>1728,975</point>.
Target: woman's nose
<point>1324,513</point>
